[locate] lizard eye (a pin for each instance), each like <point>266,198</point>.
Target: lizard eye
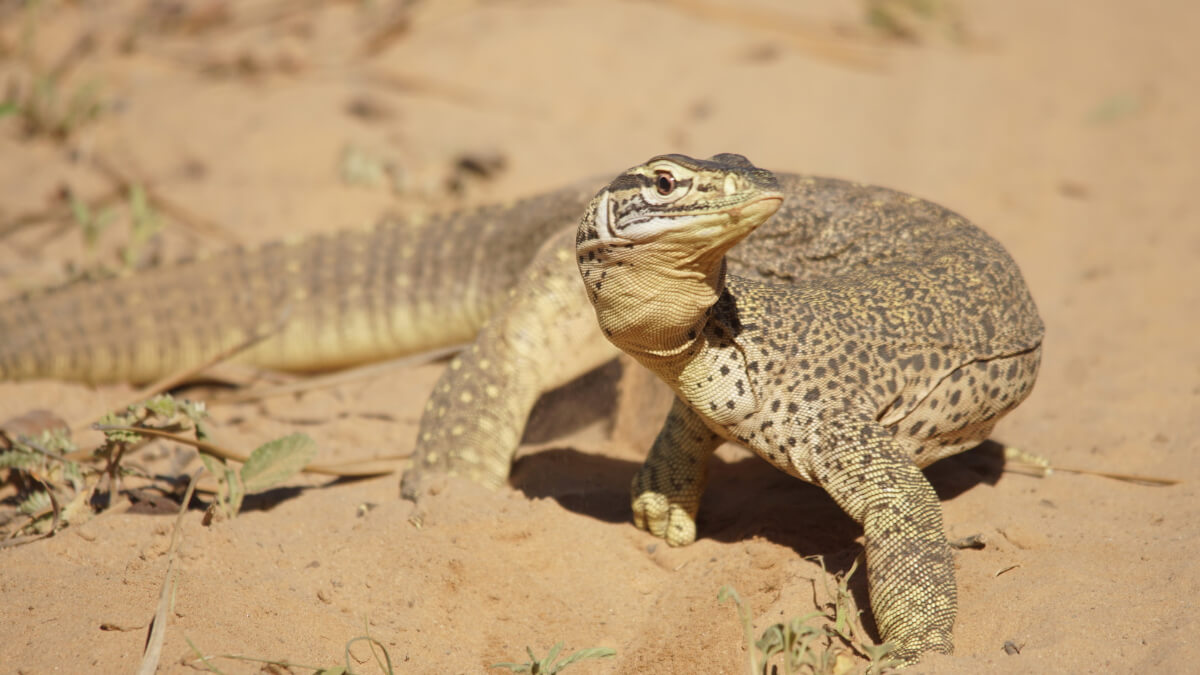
<point>665,183</point>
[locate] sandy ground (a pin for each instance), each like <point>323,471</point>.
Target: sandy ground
<point>1068,130</point>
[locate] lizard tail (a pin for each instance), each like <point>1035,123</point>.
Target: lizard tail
<point>323,302</point>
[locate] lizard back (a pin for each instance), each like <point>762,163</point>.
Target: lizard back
<point>837,235</point>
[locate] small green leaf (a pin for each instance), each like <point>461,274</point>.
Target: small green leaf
<point>80,210</point>
<point>1115,108</point>
<point>514,667</point>
<point>194,410</point>
<point>162,405</point>
<point>138,203</point>
<point>237,490</point>
<point>37,501</point>
<point>119,435</point>
<point>19,459</point>
<point>8,108</point>
<point>214,465</point>
<point>227,483</point>
<point>73,474</point>
<point>202,433</point>
<point>275,461</point>
<point>772,642</point>
<point>583,654</point>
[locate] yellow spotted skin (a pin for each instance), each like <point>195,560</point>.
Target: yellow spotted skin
<point>872,334</point>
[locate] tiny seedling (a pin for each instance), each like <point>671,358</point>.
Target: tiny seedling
<point>915,20</point>
<point>52,490</point>
<point>805,647</point>
<point>91,224</point>
<point>550,665</point>
<point>144,223</point>
<point>277,665</point>
<point>269,465</point>
<point>1114,108</point>
<point>42,102</point>
<point>58,485</point>
<point>45,112</point>
<point>368,169</point>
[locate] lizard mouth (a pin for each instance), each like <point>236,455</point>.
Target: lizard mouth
<point>765,203</point>
<point>771,200</point>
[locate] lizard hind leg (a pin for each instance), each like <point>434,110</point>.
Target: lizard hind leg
<point>910,568</point>
<point>544,336</point>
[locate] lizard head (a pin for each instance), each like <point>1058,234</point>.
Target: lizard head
<point>651,245</point>
<point>674,199</point>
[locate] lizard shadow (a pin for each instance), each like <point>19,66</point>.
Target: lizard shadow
<point>587,399</point>
<point>745,498</point>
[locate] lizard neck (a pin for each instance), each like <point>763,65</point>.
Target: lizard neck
<point>651,249</point>
<point>649,304</point>
<point>684,327</point>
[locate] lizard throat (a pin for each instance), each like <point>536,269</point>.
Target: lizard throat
<point>649,307</point>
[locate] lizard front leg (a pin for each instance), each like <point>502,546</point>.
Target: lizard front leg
<point>544,336</point>
<point>667,489</point>
<point>910,569</point>
<point>476,414</point>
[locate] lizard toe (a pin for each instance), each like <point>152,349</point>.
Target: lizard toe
<point>909,654</point>
<point>654,512</point>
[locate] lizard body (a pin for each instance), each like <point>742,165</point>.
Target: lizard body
<point>859,324</point>
<point>890,333</point>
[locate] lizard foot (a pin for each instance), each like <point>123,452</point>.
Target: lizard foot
<point>668,517</point>
<point>484,467</point>
<point>667,489</point>
<point>654,513</point>
<point>908,654</point>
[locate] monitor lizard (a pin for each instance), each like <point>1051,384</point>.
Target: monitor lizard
<point>859,260</point>
<point>901,335</point>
